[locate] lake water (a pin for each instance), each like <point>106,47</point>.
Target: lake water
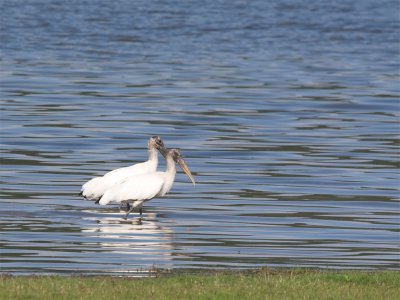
<point>287,112</point>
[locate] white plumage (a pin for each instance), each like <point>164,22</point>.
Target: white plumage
<point>95,188</point>
<point>141,188</point>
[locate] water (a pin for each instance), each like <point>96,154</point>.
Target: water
<point>286,112</point>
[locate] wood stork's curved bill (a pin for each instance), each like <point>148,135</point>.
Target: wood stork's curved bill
<point>185,169</point>
<point>163,150</point>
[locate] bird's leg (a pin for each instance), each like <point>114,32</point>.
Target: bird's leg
<point>129,211</point>
<point>138,204</point>
<point>140,211</point>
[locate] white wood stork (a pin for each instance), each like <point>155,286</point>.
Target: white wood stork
<point>96,187</point>
<point>136,190</point>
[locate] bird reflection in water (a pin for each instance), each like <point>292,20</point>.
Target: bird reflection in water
<point>142,239</point>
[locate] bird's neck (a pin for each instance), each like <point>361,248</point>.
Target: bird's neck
<point>171,169</point>
<point>169,176</point>
<point>153,154</point>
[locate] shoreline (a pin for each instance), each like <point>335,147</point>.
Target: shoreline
<point>255,284</point>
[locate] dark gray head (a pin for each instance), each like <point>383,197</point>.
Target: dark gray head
<point>177,157</point>
<point>175,153</point>
<point>156,142</point>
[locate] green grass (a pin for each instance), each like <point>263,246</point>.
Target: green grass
<point>262,284</point>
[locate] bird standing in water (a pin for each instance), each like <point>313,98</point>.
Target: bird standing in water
<point>95,188</point>
<point>135,190</point>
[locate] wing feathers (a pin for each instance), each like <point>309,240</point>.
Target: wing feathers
<point>96,187</point>
<point>143,187</point>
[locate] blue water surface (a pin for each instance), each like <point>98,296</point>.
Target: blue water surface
<point>287,112</point>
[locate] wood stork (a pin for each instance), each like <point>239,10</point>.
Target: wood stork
<point>96,187</point>
<point>138,189</point>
